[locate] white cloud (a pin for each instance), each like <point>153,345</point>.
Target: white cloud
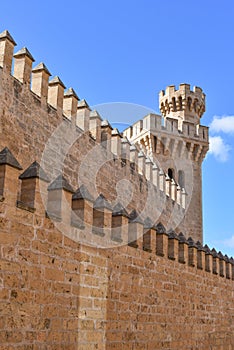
<point>219,149</point>
<point>229,242</point>
<point>224,124</point>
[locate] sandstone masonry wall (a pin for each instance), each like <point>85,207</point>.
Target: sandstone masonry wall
<point>78,271</point>
<point>59,294</point>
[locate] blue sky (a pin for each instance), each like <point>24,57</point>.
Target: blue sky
<point>127,51</point>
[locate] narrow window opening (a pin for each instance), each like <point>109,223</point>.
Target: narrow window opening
<point>180,103</point>
<point>189,103</point>
<point>171,173</point>
<point>155,143</point>
<point>174,104</point>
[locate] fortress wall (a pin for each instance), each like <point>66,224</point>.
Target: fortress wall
<point>156,291</point>
<point>156,303</point>
<point>59,294</point>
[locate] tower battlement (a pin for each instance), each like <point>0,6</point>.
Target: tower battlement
<point>183,104</point>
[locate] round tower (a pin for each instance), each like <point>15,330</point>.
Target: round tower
<point>182,104</point>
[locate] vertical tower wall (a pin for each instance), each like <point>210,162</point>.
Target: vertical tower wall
<point>178,144</point>
<point>187,107</point>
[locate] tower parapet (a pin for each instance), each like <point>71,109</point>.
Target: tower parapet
<point>183,104</point>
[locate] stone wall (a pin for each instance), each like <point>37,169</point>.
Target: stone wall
<point>67,283</point>
<point>57,293</point>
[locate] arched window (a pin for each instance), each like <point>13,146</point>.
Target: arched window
<point>195,105</point>
<point>181,178</point>
<point>170,173</point>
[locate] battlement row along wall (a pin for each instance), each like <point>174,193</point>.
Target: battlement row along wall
<point>157,125</point>
<point>57,291</point>
<point>78,211</point>
<point>31,189</point>
<point>66,104</point>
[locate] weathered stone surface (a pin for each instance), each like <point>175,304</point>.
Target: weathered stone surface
<point>60,291</point>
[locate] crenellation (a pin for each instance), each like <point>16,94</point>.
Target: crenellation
<point>173,246</point>
<point>171,125</point>
<point>155,175</point>
<point>32,192</point>
<point>102,214</point>
<point>170,90</point>
<point>171,129</point>
<point>232,263</point>
<point>161,241</point>
<point>40,81</point>
<point>183,103</point>
<point>137,128</point>
<point>7,45</point>
<point>151,122</point>
<point>203,133</point>
<point>183,198</point>
<point>215,262</point>
<point>83,115</point>
<point>174,191</point>
<point>149,236</point>
<point>95,125</point>
<point>179,195</point>
<point>82,208</point>
<point>9,172</point>
<point>201,255</point>
<point>135,230</point>
<point>70,104</point>
<point>168,186</point>
<point>116,142</point>
<point>192,253</point>
<point>149,169</point>
<point>92,212</point>
<point>55,94</point>
<point>183,249</point>
<point>141,162</point>
<point>221,264</point>
<point>184,88</point>
<point>197,89</point>
<point>189,129</point>
<point>162,181</point>
<point>119,228</point>
<point>23,61</point>
<point>59,194</point>
<point>125,149</point>
<point>133,157</point>
<point>106,132</point>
